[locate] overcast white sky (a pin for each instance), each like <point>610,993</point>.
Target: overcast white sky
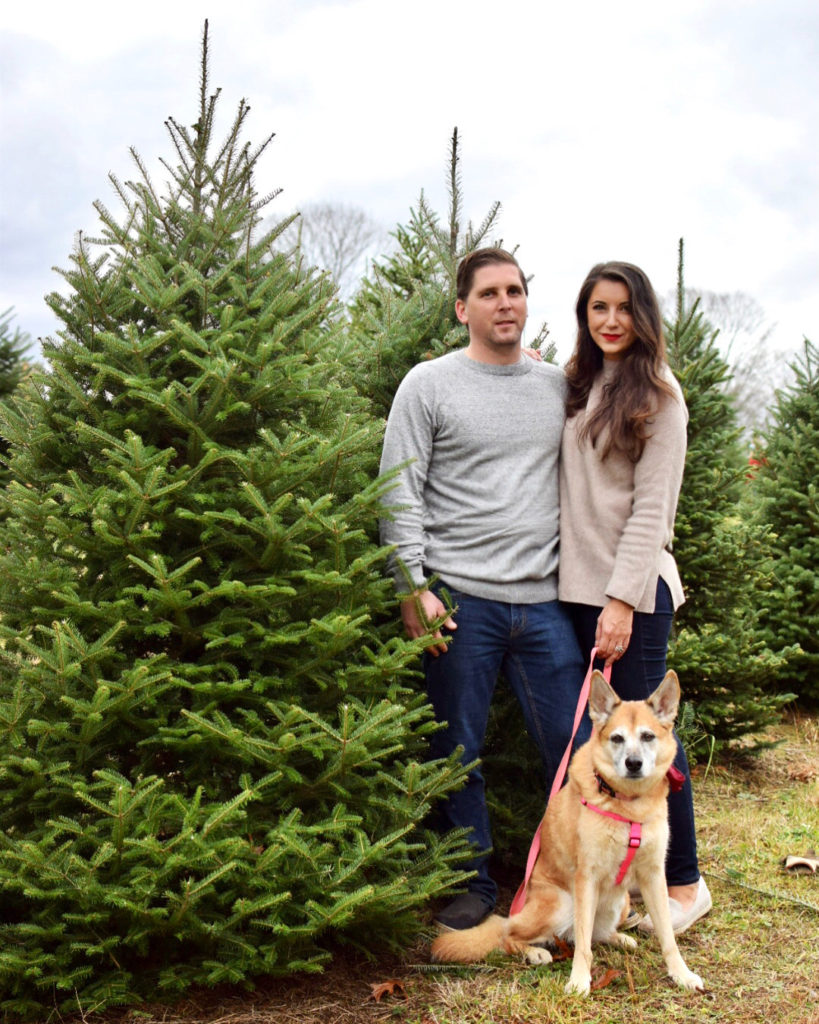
<point>607,130</point>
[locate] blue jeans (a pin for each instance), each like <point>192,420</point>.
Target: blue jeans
<point>634,677</point>
<point>535,647</point>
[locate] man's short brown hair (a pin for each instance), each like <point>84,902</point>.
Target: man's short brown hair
<point>483,258</point>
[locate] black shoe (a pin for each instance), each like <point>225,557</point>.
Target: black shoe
<point>464,912</point>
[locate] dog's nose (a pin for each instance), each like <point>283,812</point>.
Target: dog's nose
<point>634,765</point>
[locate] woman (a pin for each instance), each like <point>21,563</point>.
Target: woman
<point>622,461</point>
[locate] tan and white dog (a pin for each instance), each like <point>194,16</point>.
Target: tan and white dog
<point>616,794</point>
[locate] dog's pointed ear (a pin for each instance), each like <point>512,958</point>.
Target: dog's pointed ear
<point>666,699</point>
<point>602,700</point>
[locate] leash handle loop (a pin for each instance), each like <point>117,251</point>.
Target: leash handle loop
<point>534,849</point>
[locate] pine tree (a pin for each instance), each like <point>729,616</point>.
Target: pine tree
<point>787,503</point>
<point>406,312</point>
<point>14,346</point>
<point>726,667</point>
<point>213,761</point>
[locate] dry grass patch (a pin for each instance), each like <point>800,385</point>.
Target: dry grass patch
<point>758,951</point>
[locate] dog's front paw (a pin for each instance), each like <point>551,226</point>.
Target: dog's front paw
<point>687,979</point>
<point>578,985</point>
<point>537,955</point>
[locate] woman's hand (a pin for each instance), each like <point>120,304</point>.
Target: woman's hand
<point>614,630</point>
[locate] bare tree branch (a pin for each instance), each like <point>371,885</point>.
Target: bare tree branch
<point>336,237</point>
<point>757,369</point>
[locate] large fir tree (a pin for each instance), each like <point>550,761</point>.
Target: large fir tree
<point>786,486</point>
<point>212,764</point>
<point>727,668</point>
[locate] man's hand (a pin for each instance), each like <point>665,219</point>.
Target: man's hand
<point>418,611</point>
<point>614,630</point>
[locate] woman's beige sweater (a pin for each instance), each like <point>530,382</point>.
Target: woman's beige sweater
<point>616,516</point>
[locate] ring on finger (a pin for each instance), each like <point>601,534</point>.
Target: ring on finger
<point>619,649</point>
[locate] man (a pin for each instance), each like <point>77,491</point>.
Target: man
<point>476,507</point>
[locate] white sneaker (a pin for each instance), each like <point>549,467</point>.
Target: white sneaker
<point>683,917</point>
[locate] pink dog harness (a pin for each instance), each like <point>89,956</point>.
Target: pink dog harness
<point>676,779</point>
<point>634,838</point>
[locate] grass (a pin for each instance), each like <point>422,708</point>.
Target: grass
<point>758,950</point>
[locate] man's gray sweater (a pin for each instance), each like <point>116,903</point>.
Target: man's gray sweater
<point>477,505</point>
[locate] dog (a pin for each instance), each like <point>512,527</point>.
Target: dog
<point>606,830</point>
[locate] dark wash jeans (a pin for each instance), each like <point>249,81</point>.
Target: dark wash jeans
<point>634,677</point>
<point>535,647</point>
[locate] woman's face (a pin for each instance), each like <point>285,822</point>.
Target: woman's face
<point>610,323</point>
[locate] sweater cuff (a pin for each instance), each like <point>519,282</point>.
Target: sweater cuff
<point>407,578</point>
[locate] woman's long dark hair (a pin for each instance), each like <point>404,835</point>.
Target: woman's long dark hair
<point>633,396</point>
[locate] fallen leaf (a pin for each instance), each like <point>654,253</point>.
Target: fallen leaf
<point>388,988</point>
<point>605,979</point>
<point>810,862</point>
<point>563,951</point>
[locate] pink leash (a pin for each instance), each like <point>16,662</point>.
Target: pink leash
<point>534,849</point>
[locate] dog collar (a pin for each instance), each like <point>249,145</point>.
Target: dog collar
<point>604,787</point>
<point>634,838</point>
<point>676,781</point>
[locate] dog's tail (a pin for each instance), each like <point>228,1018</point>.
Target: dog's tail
<point>470,943</point>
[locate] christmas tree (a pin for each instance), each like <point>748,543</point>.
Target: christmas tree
<point>406,312</point>
<point>785,486</point>
<point>14,346</point>
<point>213,759</point>
<point>726,667</point>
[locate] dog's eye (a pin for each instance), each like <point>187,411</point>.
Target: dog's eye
<point>647,737</point>
<point>617,738</point>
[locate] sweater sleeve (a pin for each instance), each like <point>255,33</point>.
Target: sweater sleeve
<point>408,441</point>
<point>657,481</point>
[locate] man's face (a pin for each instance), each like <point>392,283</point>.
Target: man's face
<point>495,312</point>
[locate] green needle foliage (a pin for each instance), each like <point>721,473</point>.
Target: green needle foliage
<point>727,665</point>
<point>213,756</point>
<point>786,487</point>
<point>14,344</point>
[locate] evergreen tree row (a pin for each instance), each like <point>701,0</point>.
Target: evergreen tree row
<point>728,667</point>
<point>784,500</point>
<point>213,753</point>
